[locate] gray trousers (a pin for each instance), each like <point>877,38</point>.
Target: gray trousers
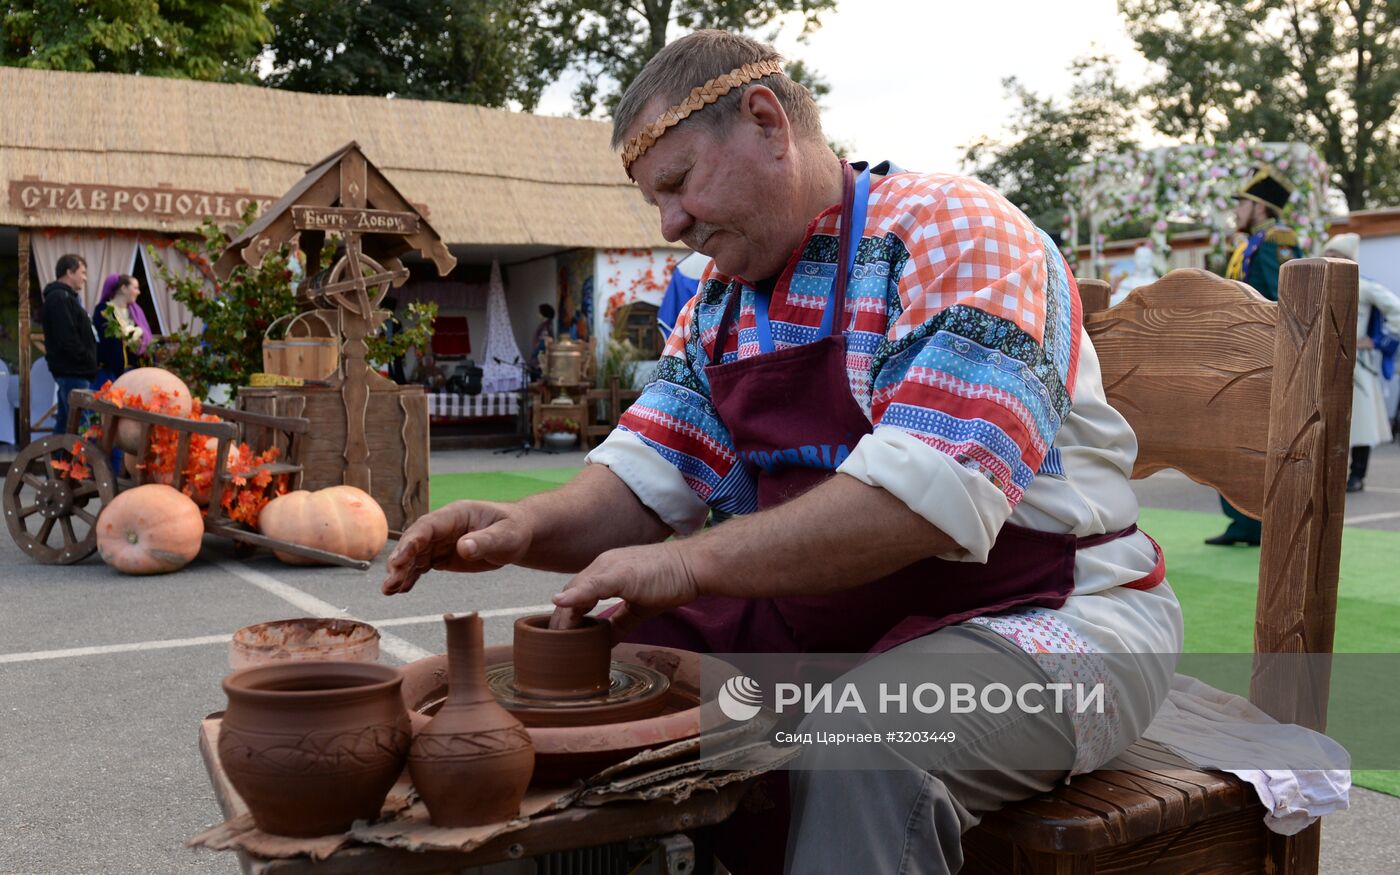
<point>903,808</point>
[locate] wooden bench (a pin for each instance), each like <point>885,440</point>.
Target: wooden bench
<point>1252,398</point>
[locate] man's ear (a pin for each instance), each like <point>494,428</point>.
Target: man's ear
<point>760,107</point>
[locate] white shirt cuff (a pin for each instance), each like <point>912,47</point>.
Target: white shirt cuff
<point>960,502</point>
<point>656,482</point>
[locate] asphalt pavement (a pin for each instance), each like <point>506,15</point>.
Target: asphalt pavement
<point>104,679</point>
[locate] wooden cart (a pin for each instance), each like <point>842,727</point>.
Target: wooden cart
<point>41,498</point>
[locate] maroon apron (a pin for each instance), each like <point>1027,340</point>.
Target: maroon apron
<point>776,406</point>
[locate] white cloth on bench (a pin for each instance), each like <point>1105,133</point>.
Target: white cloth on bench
<point>1212,729</point>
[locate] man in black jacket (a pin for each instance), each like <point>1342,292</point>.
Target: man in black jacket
<point>71,346</point>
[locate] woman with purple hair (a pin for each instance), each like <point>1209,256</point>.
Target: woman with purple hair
<point>123,334</point>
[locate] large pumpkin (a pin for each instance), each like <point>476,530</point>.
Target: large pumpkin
<point>142,383</point>
<point>337,519</point>
<point>149,529</point>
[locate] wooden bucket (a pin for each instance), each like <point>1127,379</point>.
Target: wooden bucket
<point>274,349</point>
<point>311,348</point>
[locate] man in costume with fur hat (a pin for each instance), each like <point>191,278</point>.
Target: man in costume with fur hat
<point>1256,262</point>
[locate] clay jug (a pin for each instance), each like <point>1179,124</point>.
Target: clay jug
<point>472,762</point>
<point>313,746</point>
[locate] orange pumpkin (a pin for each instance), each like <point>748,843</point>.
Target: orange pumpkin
<point>150,529</point>
<point>338,519</point>
<point>142,383</point>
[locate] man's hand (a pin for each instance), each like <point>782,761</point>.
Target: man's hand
<point>464,536</point>
<point>649,579</point>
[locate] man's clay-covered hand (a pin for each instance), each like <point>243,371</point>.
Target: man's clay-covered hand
<point>464,536</point>
<point>649,579</point>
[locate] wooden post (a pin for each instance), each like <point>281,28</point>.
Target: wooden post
<point>1305,491</point>
<point>24,328</point>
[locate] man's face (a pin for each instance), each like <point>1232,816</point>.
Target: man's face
<point>76,279</point>
<point>1244,214</point>
<point>722,194</point>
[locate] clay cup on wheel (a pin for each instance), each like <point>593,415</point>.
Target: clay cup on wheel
<point>562,663</point>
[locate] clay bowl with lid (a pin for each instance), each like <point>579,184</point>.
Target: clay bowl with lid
<point>313,746</point>
<point>565,753</point>
<point>303,638</point>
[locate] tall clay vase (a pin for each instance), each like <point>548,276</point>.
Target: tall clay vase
<point>313,746</point>
<point>472,762</point>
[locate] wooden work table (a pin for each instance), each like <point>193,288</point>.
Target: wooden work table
<point>573,828</point>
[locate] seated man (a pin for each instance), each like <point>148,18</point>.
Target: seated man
<point>884,377</point>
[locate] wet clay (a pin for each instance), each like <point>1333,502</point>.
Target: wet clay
<point>472,762</point>
<point>304,638</point>
<point>562,663</point>
<point>313,746</point>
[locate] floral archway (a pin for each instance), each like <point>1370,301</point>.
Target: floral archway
<point>1188,184</point>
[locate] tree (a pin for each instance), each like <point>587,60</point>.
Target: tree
<point>191,39</point>
<point>1046,138</point>
<point>610,42</point>
<point>1324,72</point>
<point>485,52</point>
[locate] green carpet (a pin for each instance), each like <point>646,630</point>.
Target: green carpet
<point>495,486</point>
<point>1216,585</point>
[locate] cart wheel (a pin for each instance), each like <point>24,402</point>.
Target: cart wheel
<point>40,498</point>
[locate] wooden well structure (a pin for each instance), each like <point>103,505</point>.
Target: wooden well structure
<point>366,431</point>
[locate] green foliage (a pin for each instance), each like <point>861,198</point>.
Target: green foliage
<point>1046,138</point>
<point>1321,72</point>
<point>485,52</point>
<point>234,312</point>
<point>611,42</point>
<point>620,357</point>
<point>190,39</point>
<point>414,331</point>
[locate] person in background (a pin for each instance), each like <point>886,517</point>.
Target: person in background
<point>69,343</point>
<point>392,328</point>
<point>119,349</point>
<point>544,330</point>
<point>1370,424</point>
<point>296,264</point>
<point>1269,244</point>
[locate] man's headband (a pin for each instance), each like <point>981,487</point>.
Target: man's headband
<point>698,99</point>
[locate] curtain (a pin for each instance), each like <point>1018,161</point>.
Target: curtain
<point>501,373</point>
<point>104,253</point>
<point>172,313</point>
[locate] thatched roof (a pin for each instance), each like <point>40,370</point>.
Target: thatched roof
<point>489,176</point>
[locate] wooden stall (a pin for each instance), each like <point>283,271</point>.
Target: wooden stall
<point>366,430</point>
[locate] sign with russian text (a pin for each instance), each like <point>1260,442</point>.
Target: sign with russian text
<point>350,219</point>
<point>38,196</point>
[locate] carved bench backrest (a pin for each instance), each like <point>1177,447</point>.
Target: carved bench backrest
<point>1252,398</point>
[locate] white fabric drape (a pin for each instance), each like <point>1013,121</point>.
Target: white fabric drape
<point>173,315</point>
<point>499,374</point>
<point>104,253</point>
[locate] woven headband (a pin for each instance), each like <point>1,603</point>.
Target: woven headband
<point>698,99</point>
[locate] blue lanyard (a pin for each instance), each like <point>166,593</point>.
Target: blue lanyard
<point>853,228</point>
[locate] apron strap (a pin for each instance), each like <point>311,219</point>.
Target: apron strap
<point>855,197</point>
<point>854,208</point>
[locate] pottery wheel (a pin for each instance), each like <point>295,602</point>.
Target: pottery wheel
<point>635,692</point>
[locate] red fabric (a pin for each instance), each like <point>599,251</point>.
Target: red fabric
<point>451,336</point>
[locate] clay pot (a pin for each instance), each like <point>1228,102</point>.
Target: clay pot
<point>562,663</point>
<point>472,762</point>
<point>302,639</point>
<point>313,746</point>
